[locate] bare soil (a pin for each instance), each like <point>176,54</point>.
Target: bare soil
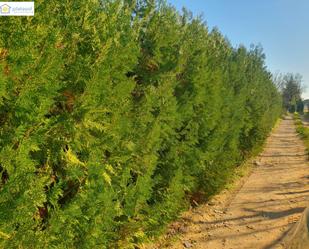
<point>261,212</point>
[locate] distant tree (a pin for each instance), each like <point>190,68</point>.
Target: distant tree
<point>300,106</point>
<point>277,78</point>
<point>291,87</point>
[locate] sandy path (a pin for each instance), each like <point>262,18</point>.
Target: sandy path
<point>263,211</point>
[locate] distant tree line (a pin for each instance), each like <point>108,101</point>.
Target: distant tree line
<point>117,115</point>
<point>291,89</point>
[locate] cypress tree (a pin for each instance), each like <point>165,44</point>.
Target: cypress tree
<point>115,115</point>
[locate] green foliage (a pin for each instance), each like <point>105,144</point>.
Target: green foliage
<point>291,88</point>
<point>114,115</point>
<point>302,130</point>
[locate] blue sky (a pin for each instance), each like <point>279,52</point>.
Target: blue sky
<point>280,26</point>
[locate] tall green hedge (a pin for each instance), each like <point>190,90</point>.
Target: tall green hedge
<point>114,115</point>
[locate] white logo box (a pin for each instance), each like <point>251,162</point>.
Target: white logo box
<point>16,8</point>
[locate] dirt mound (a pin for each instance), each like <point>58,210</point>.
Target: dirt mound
<point>300,237</point>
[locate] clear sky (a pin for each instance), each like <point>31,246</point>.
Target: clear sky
<point>280,26</point>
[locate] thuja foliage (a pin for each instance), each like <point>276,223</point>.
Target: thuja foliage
<point>114,115</point>
<point>302,130</point>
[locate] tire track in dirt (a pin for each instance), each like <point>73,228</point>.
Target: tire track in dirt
<point>263,211</point>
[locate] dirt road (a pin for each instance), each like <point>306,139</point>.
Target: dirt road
<point>263,211</point>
